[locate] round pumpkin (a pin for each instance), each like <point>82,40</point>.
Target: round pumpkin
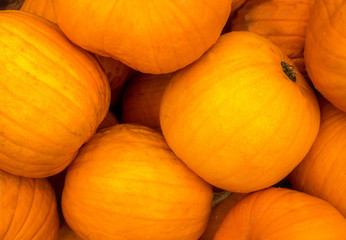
<point>285,214</point>
<point>325,54</point>
<point>126,183</point>
<point>149,36</point>
<point>142,98</point>
<point>322,172</point>
<point>28,208</point>
<point>282,22</point>
<point>53,96</point>
<point>240,116</point>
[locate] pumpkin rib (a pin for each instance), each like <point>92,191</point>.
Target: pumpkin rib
<point>30,207</point>
<point>57,43</point>
<point>35,133</point>
<point>76,78</point>
<point>19,188</point>
<point>191,21</point>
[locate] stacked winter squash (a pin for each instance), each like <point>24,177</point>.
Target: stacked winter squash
<point>156,120</point>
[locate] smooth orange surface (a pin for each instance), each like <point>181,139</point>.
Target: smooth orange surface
<point>235,118</point>
<point>28,209</point>
<point>282,214</point>
<point>53,96</point>
<point>322,173</point>
<point>127,184</point>
<point>325,54</point>
<point>142,98</point>
<point>66,233</point>
<point>149,36</point>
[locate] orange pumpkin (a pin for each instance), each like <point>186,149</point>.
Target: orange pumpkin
<point>151,37</point>
<point>218,213</point>
<point>236,118</point>
<point>279,213</point>
<point>109,120</point>
<point>28,208</point>
<point>325,54</point>
<point>53,96</point>
<point>281,21</point>
<point>322,172</point>
<point>125,179</point>
<point>142,98</point>
<point>43,8</point>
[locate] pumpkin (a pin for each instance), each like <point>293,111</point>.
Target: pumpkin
<point>66,233</point>
<point>142,98</point>
<point>285,214</point>
<point>43,8</point>
<point>53,96</point>
<point>28,208</point>
<point>325,54</point>
<point>322,172</point>
<point>282,22</point>
<point>109,120</point>
<point>151,37</point>
<point>236,4</point>
<point>240,121</point>
<point>218,213</point>
<point>125,179</point>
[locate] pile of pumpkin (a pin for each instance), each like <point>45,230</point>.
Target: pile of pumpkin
<point>173,120</point>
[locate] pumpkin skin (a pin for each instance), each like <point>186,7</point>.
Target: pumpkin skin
<point>148,36</point>
<point>246,124</point>
<point>285,214</point>
<point>28,209</point>
<point>282,22</point>
<point>218,213</point>
<point>322,172</point>
<point>43,8</point>
<point>140,184</point>
<point>142,98</point>
<point>325,61</point>
<point>49,109</point>
<point>10,4</point>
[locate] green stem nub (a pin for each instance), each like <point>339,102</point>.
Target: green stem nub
<point>289,71</point>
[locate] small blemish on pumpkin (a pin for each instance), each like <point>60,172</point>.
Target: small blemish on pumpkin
<point>289,71</point>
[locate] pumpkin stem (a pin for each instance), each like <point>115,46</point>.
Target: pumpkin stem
<point>219,197</point>
<point>289,71</point>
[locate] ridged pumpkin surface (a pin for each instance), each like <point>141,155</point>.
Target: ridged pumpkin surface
<point>142,98</point>
<point>235,118</point>
<point>28,209</point>
<point>322,173</point>
<point>282,214</point>
<point>283,22</point>
<point>149,36</point>
<point>325,51</point>
<point>127,184</point>
<point>53,96</point>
